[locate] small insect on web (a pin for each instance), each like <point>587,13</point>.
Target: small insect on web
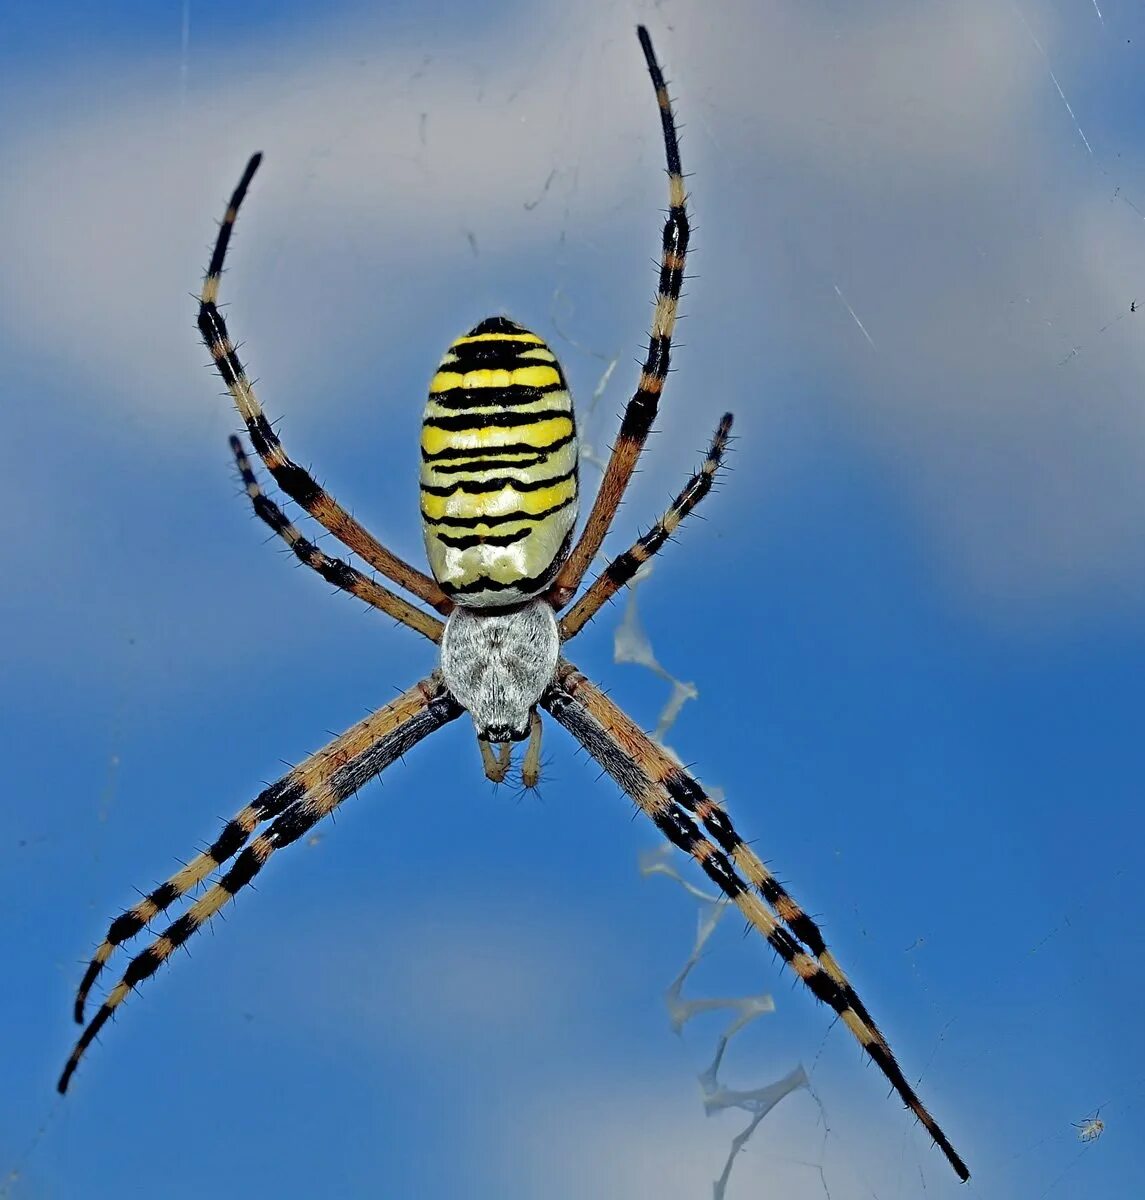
<point>1091,1128</point>
<point>499,496</point>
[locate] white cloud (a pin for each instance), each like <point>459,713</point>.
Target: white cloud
<point>370,146</point>
<point>921,162</point>
<point>446,978</point>
<point>625,1134</point>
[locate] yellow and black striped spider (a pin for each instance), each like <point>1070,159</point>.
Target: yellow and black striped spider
<point>499,495</point>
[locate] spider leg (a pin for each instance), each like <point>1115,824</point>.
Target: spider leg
<point>297,802</point>
<point>686,792</point>
<point>641,410</point>
<point>333,570</point>
<point>631,758</point>
<point>621,570</point>
<point>294,480</point>
<point>272,801</point>
<point>660,766</point>
<point>269,803</point>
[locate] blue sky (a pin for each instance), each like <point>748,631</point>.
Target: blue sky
<point>915,614</point>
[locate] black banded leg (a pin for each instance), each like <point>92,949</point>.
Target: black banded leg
<point>237,830</point>
<point>294,480</point>
<point>333,570</point>
<point>268,804</point>
<point>622,748</point>
<point>620,571</point>
<point>686,792</point>
<point>661,767</point>
<point>641,410</point>
<point>306,795</point>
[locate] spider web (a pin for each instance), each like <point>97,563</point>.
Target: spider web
<point>632,645</point>
<point>716,1096</point>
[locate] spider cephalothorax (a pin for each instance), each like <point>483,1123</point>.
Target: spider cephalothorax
<point>499,499</point>
<point>499,663</point>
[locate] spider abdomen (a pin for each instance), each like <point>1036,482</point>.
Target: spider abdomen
<point>498,467</point>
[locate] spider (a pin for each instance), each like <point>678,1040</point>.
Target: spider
<point>499,491</point>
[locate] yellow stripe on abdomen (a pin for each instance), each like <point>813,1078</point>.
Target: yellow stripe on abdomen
<point>498,467</point>
<point>539,437</point>
<point>488,377</point>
